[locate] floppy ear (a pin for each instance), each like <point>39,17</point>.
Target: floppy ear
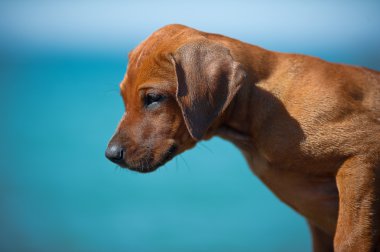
<point>208,78</point>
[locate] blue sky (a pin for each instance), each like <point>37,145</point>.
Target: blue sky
<point>107,25</point>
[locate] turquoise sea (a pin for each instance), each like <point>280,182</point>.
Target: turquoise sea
<point>59,193</point>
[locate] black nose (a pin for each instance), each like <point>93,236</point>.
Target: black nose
<point>115,153</point>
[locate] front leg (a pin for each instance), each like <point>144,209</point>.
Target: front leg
<point>358,182</point>
<point>322,242</point>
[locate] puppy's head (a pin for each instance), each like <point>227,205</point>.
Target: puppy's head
<point>177,84</point>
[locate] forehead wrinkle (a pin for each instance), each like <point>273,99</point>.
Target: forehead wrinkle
<point>149,63</point>
<point>138,60</point>
<point>132,54</point>
<point>151,70</point>
<point>164,86</point>
<point>147,47</point>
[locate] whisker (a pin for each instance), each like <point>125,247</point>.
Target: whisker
<point>117,169</point>
<point>188,167</point>
<point>176,164</point>
<point>205,147</point>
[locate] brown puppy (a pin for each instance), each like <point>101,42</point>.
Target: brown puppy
<point>308,128</point>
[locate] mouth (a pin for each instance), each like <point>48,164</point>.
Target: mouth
<point>146,166</point>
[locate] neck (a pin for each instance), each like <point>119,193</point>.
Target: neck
<point>244,116</point>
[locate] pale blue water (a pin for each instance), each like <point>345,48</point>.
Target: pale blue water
<point>60,65</point>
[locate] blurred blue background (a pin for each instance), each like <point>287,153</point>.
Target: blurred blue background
<point>60,65</point>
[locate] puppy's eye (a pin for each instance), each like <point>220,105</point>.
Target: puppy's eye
<point>153,99</point>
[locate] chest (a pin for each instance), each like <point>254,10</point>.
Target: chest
<point>313,195</point>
